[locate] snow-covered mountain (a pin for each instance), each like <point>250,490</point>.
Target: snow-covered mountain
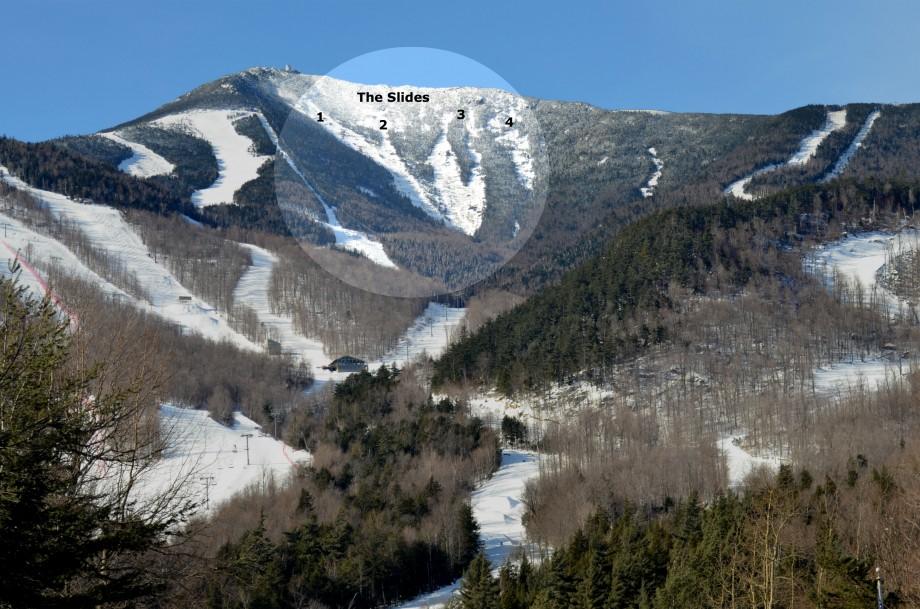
<point>451,189</point>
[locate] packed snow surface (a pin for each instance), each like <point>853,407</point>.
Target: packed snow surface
<point>430,334</point>
<point>870,374</point>
<point>345,238</point>
<point>649,189</point>
<point>853,148</point>
<point>808,147</point>
<point>740,462</point>
<point>498,508</point>
<point>860,256</point>
<point>356,241</point>
<point>35,252</point>
<point>212,459</point>
<point>144,162</point>
<point>236,162</point>
<point>108,231</point>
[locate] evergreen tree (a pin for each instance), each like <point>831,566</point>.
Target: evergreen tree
<point>71,536</point>
<point>479,590</point>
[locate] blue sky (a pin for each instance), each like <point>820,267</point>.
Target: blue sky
<point>76,66</point>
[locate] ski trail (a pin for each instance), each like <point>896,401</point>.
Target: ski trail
<point>144,163</point>
<point>498,507</point>
<point>345,238</point>
<point>253,291</point>
<point>808,147</point>
<point>108,231</point>
<point>649,189</point>
<point>236,162</point>
<point>853,148</point>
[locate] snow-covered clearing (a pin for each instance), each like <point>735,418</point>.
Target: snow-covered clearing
<point>740,462</point>
<point>869,374</point>
<point>236,162</point>
<point>345,238</point>
<point>649,189</point>
<point>144,163</point>
<point>109,232</point>
<point>808,147</point>
<point>212,459</point>
<point>498,507</point>
<point>853,148</point>
<point>430,334</point>
<point>860,256</point>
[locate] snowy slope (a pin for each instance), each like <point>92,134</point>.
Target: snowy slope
<point>853,148</point>
<point>144,163</point>
<point>859,257</point>
<point>33,251</point>
<point>236,162</point>
<point>107,230</point>
<point>498,507</point>
<point>808,147</point>
<point>842,377</point>
<point>212,457</point>
<point>649,189</point>
<point>345,238</point>
<point>740,463</point>
<point>429,335</point>
<point>253,291</point>
<point>421,144</point>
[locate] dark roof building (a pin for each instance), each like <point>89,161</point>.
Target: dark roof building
<point>347,363</point>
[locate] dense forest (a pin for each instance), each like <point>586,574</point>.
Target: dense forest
<point>381,514</point>
<point>612,307</point>
<point>785,541</point>
<point>55,168</point>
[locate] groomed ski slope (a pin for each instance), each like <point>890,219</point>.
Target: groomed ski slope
<point>211,457</point>
<point>430,333</point>
<point>345,238</point>
<point>144,162</point>
<point>107,230</point>
<point>853,148</point>
<point>808,147</point>
<point>236,162</point>
<point>498,508</point>
<point>253,291</point>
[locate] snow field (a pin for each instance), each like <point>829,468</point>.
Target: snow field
<point>107,230</point>
<point>236,163</point>
<point>345,238</point>
<point>144,163</point>
<point>859,257</point>
<point>210,458</point>
<point>808,147</point>
<point>444,196</point>
<point>498,508</point>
